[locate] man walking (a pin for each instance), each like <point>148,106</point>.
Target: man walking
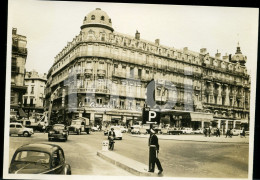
<point>154,150</point>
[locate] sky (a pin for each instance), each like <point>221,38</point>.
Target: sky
<point>49,25</point>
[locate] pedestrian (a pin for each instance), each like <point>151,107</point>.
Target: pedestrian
<point>205,132</point>
<point>217,132</point>
<point>243,133</point>
<point>111,136</point>
<point>209,131</point>
<point>154,150</point>
<point>228,133</point>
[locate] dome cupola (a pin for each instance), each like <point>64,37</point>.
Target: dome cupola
<point>97,18</point>
<point>239,57</point>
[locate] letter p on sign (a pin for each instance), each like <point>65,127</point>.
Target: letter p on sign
<point>152,115</point>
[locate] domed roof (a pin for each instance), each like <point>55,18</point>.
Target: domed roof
<point>97,18</point>
<point>238,56</point>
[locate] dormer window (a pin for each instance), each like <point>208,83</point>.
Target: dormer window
<point>92,17</point>
<point>102,18</point>
<point>85,18</point>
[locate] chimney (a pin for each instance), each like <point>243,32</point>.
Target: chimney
<point>157,42</point>
<point>225,58</point>
<point>137,35</point>
<point>218,55</point>
<point>185,49</point>
<point>14,30</point>
<point>203,50</point>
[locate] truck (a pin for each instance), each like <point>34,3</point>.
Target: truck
<point>79,125</point>
<point>34,122</point>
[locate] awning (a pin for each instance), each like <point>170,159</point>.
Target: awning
<point>201,117</point>
<point>21,112</point>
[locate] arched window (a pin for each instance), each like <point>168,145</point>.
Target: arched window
<point>102,18</point>
<point>92,17</point>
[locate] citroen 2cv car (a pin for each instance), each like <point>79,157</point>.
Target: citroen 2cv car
<point>39,159</point>
<point>59,132</point>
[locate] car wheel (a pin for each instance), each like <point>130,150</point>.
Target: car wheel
<point>26,134</point>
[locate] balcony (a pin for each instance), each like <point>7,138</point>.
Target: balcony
<point>239,95</point>
<point>88,71</point>
<point>223,93</point>
<point>208,91</point>
<point>90,90</point>
<point>197,88</point>
<point>216,92</point>
<point>20,50</point>
<point>101,72</point>
<point>231,95</point>
<point>207,77</point>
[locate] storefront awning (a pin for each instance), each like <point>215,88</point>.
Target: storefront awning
<point>201,117</point>
<point>21,112</point>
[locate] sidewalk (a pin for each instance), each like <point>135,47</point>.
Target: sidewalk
<point>199,138</point>
<point>130,165</point>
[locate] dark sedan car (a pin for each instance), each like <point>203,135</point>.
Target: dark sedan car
<point>39,159</point>
<point>59,132</point>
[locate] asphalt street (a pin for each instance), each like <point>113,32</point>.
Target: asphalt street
<point>178,158</point>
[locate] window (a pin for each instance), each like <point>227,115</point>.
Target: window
<point>92,17</point>
<point>131,72</point>
<point>122,103</point>
<point>61,156</point>
<point>130,104</point>
<point>31,101</point>
<point>139,72</point>
<point>109,20</point>
<point>18,126</point>
<point>12,125</point>
<point>32,81</point>
<point>32,90</point>
<point>147,71</point>
<point>99,100</point>
<point>102,18</point>
<point>87,100</point>
<point>123,66</point>
<point>113,102</point>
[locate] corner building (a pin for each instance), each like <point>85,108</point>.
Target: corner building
<point>103,75</point>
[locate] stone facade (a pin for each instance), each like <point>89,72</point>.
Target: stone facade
<point>19,55</point>
<point>34,98</point>
<point>105,76</point>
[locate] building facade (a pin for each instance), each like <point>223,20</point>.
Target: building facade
<point>34,98</point>
<point>104,75</point>
<point>18,88</point>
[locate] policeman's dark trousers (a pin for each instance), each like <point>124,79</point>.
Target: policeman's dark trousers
<point>154,160</point>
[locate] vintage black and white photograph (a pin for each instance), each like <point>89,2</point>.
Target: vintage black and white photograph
<point>125,90</point>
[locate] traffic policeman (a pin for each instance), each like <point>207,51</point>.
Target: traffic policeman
<point>154,150</point>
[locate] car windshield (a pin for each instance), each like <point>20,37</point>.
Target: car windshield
<point>32,156</point>
<point>76,123</point>
<point>58,127</point>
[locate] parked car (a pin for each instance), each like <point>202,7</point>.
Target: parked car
<point>198,131</point>
<point>135,129</point>
<point>123,129</point>
<point>19,129</point>
<point>236,132</point>
<point>94,128</point>
<point>117,131</point>
<point>186,130</point>
<point>39,159</point>
<point>58,132</point>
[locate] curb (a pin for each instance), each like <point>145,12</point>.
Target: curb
<point>130,165</point>
<point>194,140</point>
